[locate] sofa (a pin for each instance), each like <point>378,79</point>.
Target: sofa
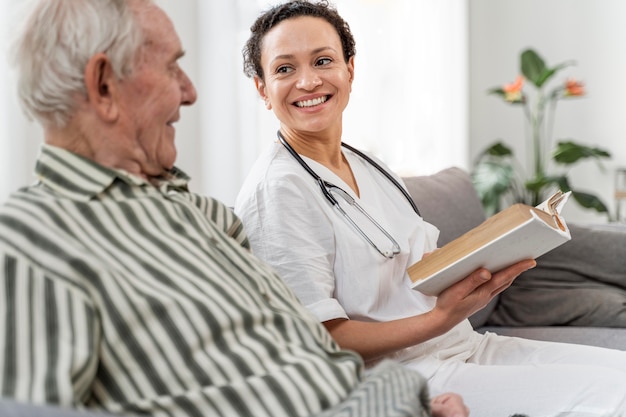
<point>448,200</point>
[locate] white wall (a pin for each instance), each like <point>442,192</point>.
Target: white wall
<point>19,138</point>
<point>590,32</point>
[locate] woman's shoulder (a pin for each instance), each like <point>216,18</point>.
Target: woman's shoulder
<point>274,162</point>
<point>368,161</point>
<point>274,171</point>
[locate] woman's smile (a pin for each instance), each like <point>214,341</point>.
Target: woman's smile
<point>312,102</point>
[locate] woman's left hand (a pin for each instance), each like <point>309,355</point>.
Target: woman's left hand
<point>448,405</point>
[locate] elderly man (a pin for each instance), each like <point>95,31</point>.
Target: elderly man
<point>122,291</point>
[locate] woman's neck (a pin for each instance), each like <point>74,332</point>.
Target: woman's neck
<point>322,147</point>
<point>325,149</point>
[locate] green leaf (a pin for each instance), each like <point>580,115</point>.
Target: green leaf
<point>568,152</point>
<point>490,176</point>
<point>498,91</point>
<point>532,66</point>
<point>589,201</point>
<point>564,184</point>
<point>585,200</point>
<point>535,70</point>
<point>492,180</point>
<point>536,185</point>
<point>545,76</point>
<point>498,149</point>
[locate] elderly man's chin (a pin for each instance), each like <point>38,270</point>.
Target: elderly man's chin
<point>170,159</point>
<point>166,158</point>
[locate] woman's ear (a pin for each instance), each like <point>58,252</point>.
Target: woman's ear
<point>101,87</point>
<point>351,69</point>
<point>260,88</point>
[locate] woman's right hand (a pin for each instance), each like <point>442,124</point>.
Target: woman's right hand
<point>474,292</point>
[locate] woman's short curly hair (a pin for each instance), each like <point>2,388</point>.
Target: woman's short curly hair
<point>289,10</point>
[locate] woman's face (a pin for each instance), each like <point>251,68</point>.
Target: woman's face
<point>307,81</point>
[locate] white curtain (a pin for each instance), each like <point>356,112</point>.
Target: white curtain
<point>408,106</point>
<point>409,100</point>
<point>19,138</point>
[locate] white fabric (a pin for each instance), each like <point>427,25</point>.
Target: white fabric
<point>336,273</point>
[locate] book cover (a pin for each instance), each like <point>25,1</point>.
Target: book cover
<point>514,234</point>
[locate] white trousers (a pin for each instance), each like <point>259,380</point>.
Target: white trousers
<point>506,375</point>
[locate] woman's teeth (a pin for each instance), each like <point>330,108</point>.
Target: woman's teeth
<point>311,103</point>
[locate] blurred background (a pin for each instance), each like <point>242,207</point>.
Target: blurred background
<point>419,100</point>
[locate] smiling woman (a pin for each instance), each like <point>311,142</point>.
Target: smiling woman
<point>333,262</point>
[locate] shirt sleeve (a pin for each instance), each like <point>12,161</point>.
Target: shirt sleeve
<point>223,216</point>
<point>289,230</point>
<point>48,336</point>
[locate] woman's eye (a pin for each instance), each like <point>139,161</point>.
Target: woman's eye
<point>283,70</point>
<point>324,61</point>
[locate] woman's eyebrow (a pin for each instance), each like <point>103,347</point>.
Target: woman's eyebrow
<point>313,52</point>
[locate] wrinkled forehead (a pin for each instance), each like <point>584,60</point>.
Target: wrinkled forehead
<point>152,19</point>
<point>159,34</point>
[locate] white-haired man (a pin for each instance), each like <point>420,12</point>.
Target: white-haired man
<point>122,291</point>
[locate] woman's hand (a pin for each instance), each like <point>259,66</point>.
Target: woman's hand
<point>473,293</point>
<point>448,405</point>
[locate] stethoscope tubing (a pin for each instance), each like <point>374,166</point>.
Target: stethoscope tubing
<point>369,160</point>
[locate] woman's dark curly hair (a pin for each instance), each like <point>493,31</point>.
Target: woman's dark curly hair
<point>292,9</point>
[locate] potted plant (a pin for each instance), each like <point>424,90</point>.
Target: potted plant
<point>500,179</point>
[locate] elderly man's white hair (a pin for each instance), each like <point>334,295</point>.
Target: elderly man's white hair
<point>55,41</point>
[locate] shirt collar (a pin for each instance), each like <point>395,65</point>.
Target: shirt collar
<point>82,179</point>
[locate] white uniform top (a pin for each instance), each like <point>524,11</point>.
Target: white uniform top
<point>336,273</point>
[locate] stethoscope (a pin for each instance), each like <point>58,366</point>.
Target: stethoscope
<point>326,187</point>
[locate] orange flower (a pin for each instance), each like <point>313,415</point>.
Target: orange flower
<point>574,88</point>
<point>513,91</point>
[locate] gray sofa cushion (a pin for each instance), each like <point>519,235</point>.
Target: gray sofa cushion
<point>447,199</point>
<point>594,336</point>
<point>590,269</point>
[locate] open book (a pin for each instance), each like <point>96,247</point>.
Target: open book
<point>514,234</point>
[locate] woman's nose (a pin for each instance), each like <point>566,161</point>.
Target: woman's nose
<point>308,80</point>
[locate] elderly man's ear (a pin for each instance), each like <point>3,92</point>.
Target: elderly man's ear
<point>102,87</point>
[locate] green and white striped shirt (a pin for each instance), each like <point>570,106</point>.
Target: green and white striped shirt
<point>136,298</point>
